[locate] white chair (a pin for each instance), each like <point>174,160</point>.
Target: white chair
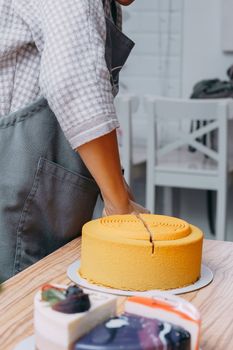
<point>132,153</point>
<point>171,164</point>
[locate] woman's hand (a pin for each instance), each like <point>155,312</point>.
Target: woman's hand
<point>133,209</point>
<point>130,208</point>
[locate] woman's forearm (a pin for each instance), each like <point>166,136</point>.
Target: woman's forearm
<point>101,156</point>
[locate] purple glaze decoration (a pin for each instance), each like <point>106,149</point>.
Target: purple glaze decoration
<point>131,332</point>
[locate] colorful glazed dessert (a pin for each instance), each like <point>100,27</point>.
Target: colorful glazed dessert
<point>164,322</point>
<point>61,316</point>
<point>139,253</point>
<point>168,309</point>
<point>131,332</point>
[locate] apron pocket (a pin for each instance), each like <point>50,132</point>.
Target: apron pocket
<point>59,204</point>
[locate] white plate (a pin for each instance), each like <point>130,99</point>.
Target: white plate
<point>29,344</point>
<point>26,344</point>
<point>73,274</point>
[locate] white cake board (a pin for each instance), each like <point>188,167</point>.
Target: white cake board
<point>73,274</point>
<point>29,344</point>
<point>26,344</point>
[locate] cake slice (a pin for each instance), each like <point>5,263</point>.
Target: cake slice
<point>63,315</point>
<point>168,309</point>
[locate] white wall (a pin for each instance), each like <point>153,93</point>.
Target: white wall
<point>154,65</point>
<point>202,53</point>
<point>201,41</point>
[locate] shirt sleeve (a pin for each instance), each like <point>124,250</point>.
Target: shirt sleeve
<point>73,76</point>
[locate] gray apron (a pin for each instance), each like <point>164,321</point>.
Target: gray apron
<point>46,192</point>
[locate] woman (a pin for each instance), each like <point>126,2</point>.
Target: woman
<point>59,65</point>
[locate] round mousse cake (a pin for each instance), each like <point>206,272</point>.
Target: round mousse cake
<point>139,253</point>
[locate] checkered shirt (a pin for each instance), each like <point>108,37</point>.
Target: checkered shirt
<point>56,49</point>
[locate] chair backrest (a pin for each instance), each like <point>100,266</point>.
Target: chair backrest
<point>126,105</point>
<point>170,108</point>
<point>211,115</point>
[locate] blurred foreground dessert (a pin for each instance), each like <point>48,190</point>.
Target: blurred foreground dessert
<point>71,319</point>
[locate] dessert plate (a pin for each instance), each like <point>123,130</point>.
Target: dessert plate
<point>73,274</point>
<point>26,344</point>
<point>29,344</point>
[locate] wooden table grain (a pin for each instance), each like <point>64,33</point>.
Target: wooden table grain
<point>215,301</point>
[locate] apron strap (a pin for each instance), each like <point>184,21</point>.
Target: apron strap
<point>113,9</point>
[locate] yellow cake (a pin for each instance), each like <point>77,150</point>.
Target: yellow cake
<point>141,253</point>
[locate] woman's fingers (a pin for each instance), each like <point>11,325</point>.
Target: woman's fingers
<point>133,209</point>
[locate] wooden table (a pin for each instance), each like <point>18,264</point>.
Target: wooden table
<point>215,301</point>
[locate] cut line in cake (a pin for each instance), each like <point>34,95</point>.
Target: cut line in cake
<point>149,231</point>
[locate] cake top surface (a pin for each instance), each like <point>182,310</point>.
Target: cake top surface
<point>142,227</point>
